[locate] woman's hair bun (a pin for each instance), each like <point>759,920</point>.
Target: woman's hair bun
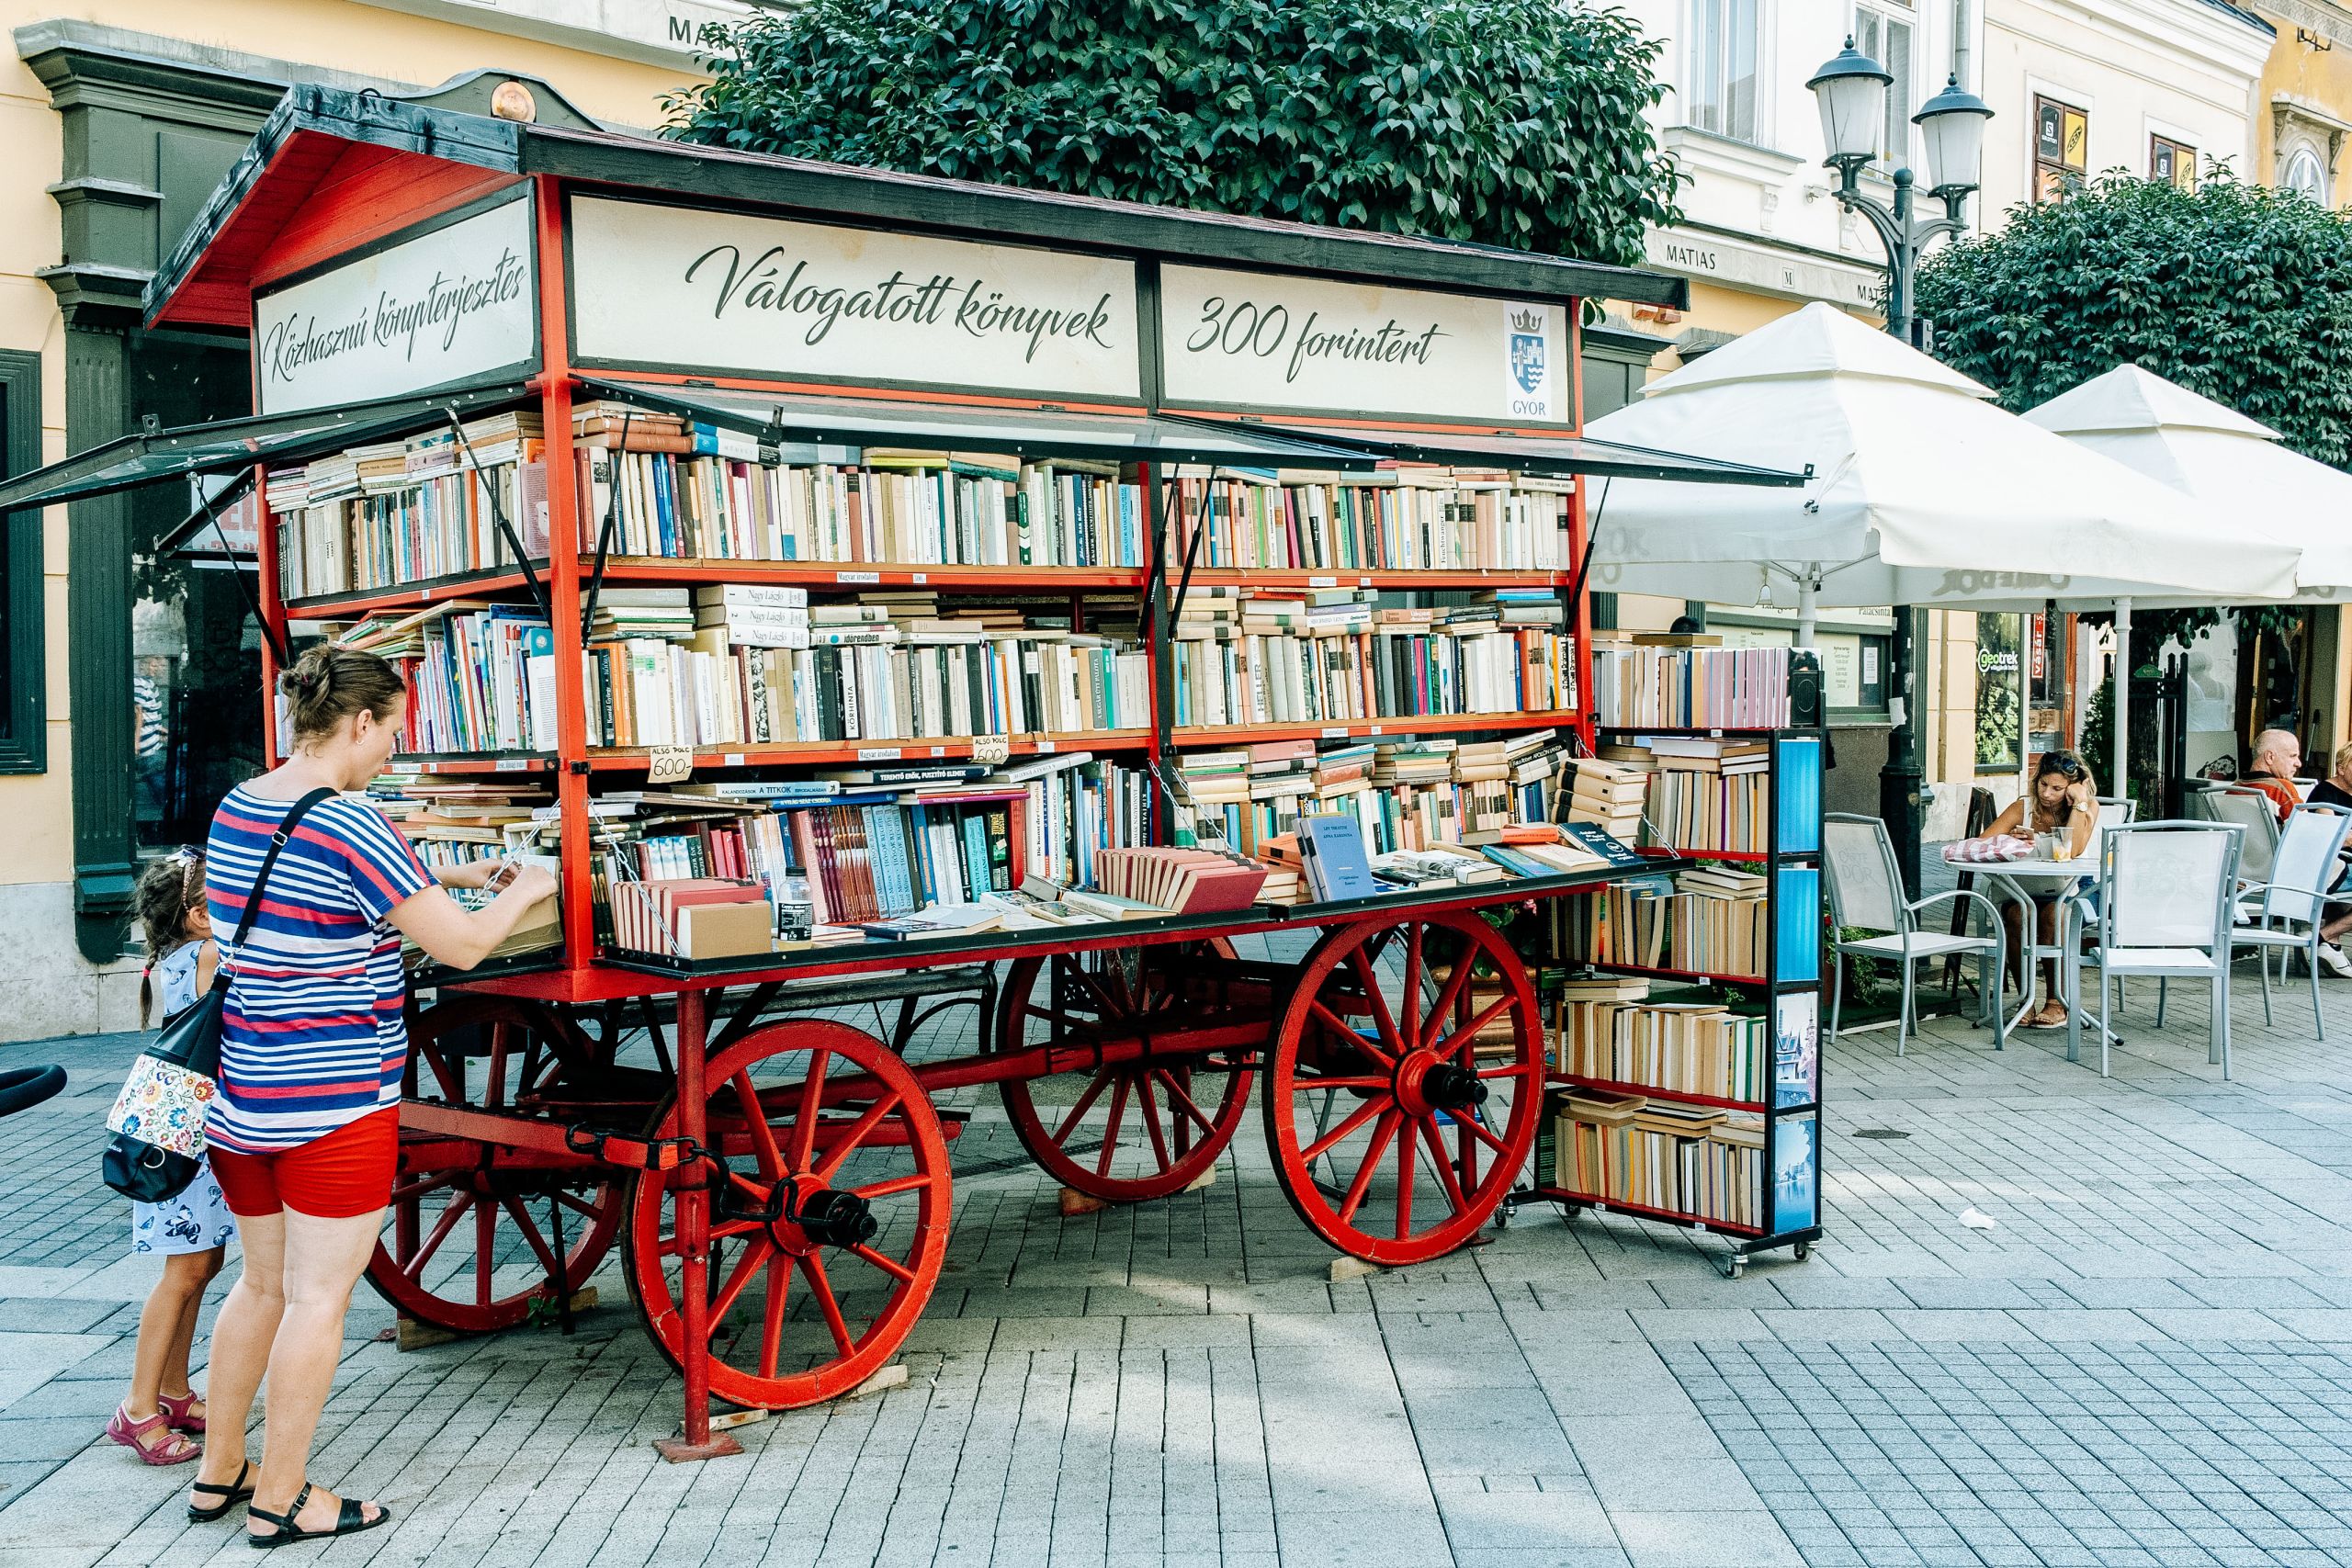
<point>329,684</point>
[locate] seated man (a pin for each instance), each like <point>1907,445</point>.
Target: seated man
<point>2276,757</point>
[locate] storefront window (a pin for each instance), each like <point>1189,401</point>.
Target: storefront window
<point>195,646</point>
<point>1999,691</point>
<point>22,748</point>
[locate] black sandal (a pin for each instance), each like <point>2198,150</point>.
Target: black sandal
<point>236,1492</point>
<point>350,1519</point>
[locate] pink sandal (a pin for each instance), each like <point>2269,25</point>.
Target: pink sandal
<point>177,1410</point>
<point>169,1449</point>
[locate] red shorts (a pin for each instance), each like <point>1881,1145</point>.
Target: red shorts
<point>346,1174</point>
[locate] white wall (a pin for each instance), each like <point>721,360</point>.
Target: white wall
<point>1761,216</point>
<point>2182,69</point>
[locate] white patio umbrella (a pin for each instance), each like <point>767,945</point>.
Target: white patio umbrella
<point>2249,487</point>
<point>1925,492</point>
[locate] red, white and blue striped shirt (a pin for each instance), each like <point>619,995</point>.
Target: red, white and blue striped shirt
<point>311,1037</point>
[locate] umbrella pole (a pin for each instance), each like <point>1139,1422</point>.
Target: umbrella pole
<point>1808,612</point>
<point>2121,707</point>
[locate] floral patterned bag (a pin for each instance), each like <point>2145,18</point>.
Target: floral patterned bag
<point>158,1118</point>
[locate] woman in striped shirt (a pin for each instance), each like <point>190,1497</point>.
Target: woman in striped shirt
<point>304,1135</point>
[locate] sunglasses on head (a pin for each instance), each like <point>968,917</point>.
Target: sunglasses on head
<point>2064,767</point>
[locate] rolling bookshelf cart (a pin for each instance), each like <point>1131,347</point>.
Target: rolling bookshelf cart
<point>1768,1197</point>
<point>487,320</point>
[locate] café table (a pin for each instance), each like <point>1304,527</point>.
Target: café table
<point>2020,879</point>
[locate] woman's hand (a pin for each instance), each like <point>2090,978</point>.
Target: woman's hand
<point>466,873</point>
<point>2079,792</point>
<point>528,884</point>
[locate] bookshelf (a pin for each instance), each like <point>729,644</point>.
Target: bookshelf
<point>1609,1149</point>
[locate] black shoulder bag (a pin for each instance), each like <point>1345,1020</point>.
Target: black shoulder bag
<point>158,1118</point>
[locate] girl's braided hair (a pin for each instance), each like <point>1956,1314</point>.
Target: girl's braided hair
<point>166,890</point>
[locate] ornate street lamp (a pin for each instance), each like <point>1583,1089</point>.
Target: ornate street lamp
<point>1852,90</point>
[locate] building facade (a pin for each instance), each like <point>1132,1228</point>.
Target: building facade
<point>129,686</point>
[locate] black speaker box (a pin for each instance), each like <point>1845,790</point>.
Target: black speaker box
<point>1804,690</point>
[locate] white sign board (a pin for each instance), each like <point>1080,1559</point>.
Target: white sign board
<point>683,288</point>
<point>442,308</point>
<point>1267,343</point>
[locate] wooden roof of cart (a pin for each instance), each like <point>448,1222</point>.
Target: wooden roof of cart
<point>333,168</point>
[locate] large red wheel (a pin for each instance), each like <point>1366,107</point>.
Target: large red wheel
<point>1132,1131</point>
<point>470,1239</point>
<point>827,1229</point>
<point>1398,1127</point>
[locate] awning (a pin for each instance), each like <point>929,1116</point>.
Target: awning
<point>1025,433</point>
<point>226,446</point>
<point>1558,455</point>
<point>199,540</point>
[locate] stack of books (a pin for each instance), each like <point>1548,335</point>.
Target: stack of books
<point>1610,794</point>
<point>1681,682</point>
<point>481,680</point>
<point>409,511</point>
<point>1709,920</point>
<point>747,665</point>
<point>1186,881</point>
<point>690,490</point>
<point>1684,1159</point>
<point>1408,517</point>
<point>1710,794</point>
<point>691,917</point>
<point>1698,1048</point>
<point>1332,657</point>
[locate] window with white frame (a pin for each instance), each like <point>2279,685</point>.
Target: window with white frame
<point>2305,173</point>
<point>1726,42</point>
<point>1887,36</point>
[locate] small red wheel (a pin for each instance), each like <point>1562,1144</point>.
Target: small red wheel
<point>1398,1128</point>
<point>828,1229</point>
<point>1177,1113</point>
<point>468,1241</point>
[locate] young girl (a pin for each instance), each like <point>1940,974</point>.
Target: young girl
<point>190,1232</point>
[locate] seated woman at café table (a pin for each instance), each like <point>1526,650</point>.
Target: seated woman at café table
<point>2063,801</point>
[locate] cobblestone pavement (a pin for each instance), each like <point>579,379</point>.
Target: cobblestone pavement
<point>2147,1360</point>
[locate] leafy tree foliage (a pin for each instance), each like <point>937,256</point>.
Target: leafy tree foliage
<point>2238,292</point>
<point>1511,122</point>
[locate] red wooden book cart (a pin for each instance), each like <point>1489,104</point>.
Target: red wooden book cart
<point>779,1185</point>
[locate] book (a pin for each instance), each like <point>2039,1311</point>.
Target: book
<point>1641,683</point>
<point>1333,859</point>
<point>1419,517</point>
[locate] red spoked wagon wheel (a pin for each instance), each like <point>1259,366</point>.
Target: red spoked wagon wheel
<point>1397,1127</point>
<point>469,1242</point>
<point>1126,1132</point>
<point>827,1229</point>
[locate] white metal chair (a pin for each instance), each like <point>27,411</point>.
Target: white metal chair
<point>2258,815</point>
<point>1866,893</point>
<point>2284,914</point>
<point>2166,895</point>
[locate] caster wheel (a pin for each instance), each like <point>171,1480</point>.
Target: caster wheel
<point>1803,1250</point>
<point>1739,1264</point>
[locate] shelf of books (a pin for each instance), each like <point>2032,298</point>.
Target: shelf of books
<point>895,696</point>
<point>1685,1045</point>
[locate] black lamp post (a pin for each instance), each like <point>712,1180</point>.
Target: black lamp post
<point>1852,90</point>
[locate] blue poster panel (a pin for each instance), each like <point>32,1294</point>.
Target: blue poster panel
<point>1797,775</point>
<point>1796,1173</point>
<point>1796,1049</point>
<point>1796,924</point>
